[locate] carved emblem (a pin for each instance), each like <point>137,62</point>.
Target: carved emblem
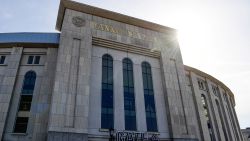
<point>78,21</point>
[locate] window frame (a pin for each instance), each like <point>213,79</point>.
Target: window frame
<point>107,92</point>
<point>129,95</point>
<point>34,60</point>
<point>2,59</point>
<point>27,77</point>
<point>149,100</point>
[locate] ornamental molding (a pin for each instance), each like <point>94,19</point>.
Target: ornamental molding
<point>78,21</point>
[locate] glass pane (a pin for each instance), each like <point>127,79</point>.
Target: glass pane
<point>29,83</point>
<point>2,59</point>
<point>104,75</point>
<point>25,102</point>
<point>30,60</point>
<point>21,124</point>
<point>150,84</point>
<point>125,78</point>
<point>110,75</point>
<point>110,88</point>
<point>105,63</point>
<point>131,123</point>
<point>130,79</point>
<point>145,83</point>
<point>37,60</point>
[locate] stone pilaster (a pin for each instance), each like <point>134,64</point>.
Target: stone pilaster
<point>180,104</point>
<point>225,118</point>
<point>8,85</point>
<point>200,111</point>
<point>213,112</point>
<point>70,96</point>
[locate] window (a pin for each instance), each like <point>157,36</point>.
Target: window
<point>206,113</point>
<point>29,83</point>
<point>201,84</point>
<point>2,59</point>
<point>30,60</point>
<point>149,97</point>
<point>215,90</point>
<point>33,59</point>
<point>129,98</point>
<point>225,96</point>
<point>107,112</point>
<point>25,102</point>
<point>37,60</point>
<point>21,124</point>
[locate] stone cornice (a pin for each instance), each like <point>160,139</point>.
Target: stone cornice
<point>68,4</point>
<point>213,79</point>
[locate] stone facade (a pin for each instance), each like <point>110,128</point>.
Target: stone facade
<point>246,134</point>
<point>66,102</point>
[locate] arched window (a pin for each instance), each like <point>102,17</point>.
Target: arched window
<point>25,102</point>
<point>29,82</point>
<point>149,97</point>
<point>129,97</point>
<point>206,113</point>
<point>107,113</point>
<point>221,120</point>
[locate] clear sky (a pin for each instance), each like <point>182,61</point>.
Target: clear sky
<point>214,35</point>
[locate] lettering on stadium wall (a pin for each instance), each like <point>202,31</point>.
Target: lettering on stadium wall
<point>111,29</point>
<point>135,136</point>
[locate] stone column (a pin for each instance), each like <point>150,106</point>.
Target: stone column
<point>8,85</point>
<point>214,115</point>
<point>225,118</point>
<point>43,97</point>
<point>200,111</point>
<point>69,111</point>
<point>181,111</point>
<point>234,120</point>
<point>139,97</point>
<point>119,114</point>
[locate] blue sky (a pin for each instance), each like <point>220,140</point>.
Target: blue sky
<point>214,34</point>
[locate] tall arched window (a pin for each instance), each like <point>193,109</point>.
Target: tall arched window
<point>107,113</point>
<point>206,113</point>
<point>149,97</point>
<point>129,97</point>
<point>25,102</point>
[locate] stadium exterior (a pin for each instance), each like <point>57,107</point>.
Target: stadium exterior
<point>107,76</point>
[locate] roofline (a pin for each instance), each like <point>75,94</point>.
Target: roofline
<point>215,80</point>
<point>29,45</point>
<point>29,39</point>
<point>69,4</point>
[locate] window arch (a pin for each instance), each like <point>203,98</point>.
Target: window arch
<point>206,113</point>
<point>29,81</point>
<point>107,112</point>
<point>129,97</point>
<point>149,97</point>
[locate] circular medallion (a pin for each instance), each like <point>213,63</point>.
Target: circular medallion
<point>78,21</point>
